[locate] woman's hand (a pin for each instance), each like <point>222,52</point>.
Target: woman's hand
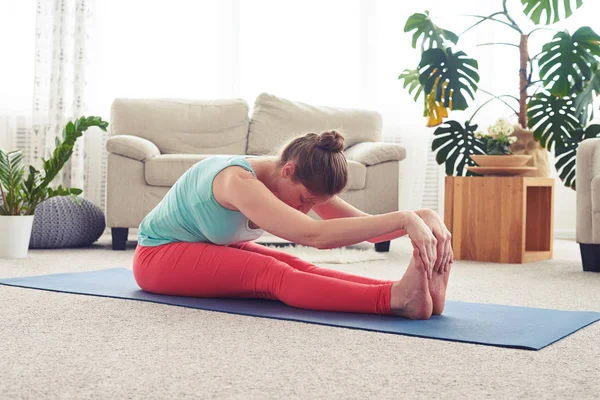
<point>443,237</point>
<point>424,240</point>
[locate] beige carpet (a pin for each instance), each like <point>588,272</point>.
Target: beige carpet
<point>55,345</point>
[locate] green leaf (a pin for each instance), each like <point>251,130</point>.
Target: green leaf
<point>494,147</point>
<point>552,119</point>
<point>12,170</point>
<point>4,166</point>
<point>432,34</point>
<point>76,199</point>
<point>33,179</point>
<point>456,69</point>
<point>568,61</point>
<point>455,145</point>
<point>584,101</point>
<point>61,191</point>
<point>70,128</point>
<point>411,79</point>
<point>566,155</point>
<point>39,190</point>
<point>534,8</point>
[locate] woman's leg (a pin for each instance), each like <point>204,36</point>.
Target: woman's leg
<point>305,266</point>
<point>206,270</point>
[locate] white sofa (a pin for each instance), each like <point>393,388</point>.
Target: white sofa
<point>588,203</point>
<point>154,141</point>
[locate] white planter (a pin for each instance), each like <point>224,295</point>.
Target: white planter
<point>15,232</point>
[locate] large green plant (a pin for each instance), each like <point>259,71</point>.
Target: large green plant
<point>20,195</point>
<point>560,109</point>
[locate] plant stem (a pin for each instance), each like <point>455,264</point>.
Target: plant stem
<point>494,98</point>
<point>542,28</point>
<point>530,74</point>
<point>508,17</point>
<point>490,17</point>
<point>503,43</point>
<point>537,55</point>
<point>502,95</point>
<point>523,81</point>
<point>535,91</point>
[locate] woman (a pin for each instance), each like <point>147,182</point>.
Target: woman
<point>198,240</point>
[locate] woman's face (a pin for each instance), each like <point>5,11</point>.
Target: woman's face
<point>295,194</point>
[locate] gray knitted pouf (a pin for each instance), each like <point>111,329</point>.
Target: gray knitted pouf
<point>60,222</point>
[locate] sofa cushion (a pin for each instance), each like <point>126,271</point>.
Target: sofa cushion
<point>276,120</point>
<point>164,170</point>
<point>184,126</point>
<point>373,153</point>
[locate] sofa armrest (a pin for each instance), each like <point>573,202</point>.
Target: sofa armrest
<point>588,161</point>
<point>372,153</point>
<point>132,147</point>
<point>588,177</point>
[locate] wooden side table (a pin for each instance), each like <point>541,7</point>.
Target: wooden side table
<point>500,219</point>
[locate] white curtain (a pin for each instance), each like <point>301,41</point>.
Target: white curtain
<point>345,53</point>
<point>51,83</point>
<point>59,92</point>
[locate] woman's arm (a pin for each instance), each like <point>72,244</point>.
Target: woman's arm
<point>242,191</point>
<point>338,208</point>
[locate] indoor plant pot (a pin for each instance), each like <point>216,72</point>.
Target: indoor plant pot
<point>508,160</point>
<point>527,145</point>
<point>14,240</point>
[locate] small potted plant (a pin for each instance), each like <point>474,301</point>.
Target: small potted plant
<point>496,145</point>
<point>19,196</point>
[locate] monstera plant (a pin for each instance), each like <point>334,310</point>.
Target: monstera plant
<point>556,93</point>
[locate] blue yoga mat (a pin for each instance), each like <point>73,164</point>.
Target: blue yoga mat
<point>488,324</point>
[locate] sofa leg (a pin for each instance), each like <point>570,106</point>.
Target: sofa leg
<point>382,247</point>
<point>119,238</point>
<point>590,256</point>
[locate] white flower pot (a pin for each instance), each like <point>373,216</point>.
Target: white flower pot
<point>15,232</point>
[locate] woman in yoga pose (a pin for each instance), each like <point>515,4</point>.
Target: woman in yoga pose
<point>198,240</point>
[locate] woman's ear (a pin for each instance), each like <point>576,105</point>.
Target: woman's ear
<point>288,170</point>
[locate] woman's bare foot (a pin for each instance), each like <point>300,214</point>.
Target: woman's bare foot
<point>410,295</point>
<point>437,289</point>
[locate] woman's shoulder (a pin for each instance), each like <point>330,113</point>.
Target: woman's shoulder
<point>231,181</point>
<point>217,163</point>
<point>237,168</point>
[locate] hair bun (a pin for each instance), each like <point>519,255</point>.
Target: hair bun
<point>331,141</point>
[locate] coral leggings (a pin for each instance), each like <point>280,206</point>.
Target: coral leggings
<point>250,270</point>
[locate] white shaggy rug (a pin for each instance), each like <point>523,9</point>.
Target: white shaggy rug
<point>361,252</point>
<point>347,255</point>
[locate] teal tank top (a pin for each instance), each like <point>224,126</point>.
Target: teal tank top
<point>189,211</point>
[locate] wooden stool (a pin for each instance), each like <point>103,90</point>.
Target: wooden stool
<point>500,219</point>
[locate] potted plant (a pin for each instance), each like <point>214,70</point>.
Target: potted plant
<point>555,95</point>
<point>496,145</point>
<point>19,196</point>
